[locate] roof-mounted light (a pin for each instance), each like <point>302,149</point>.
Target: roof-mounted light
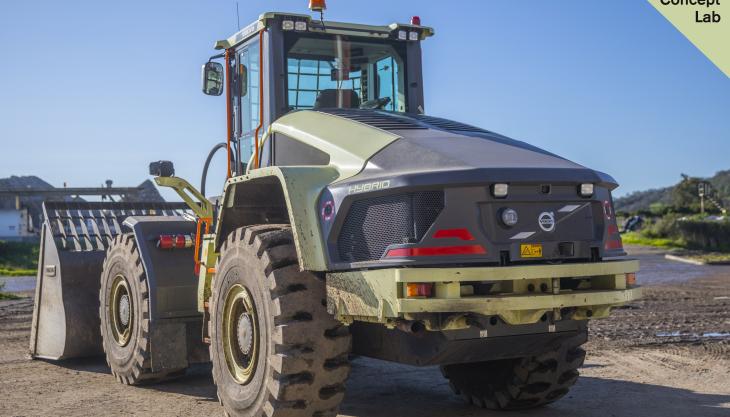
<point>300,26</point>
<point>287,25</point>
<point>413,36</point>
<point>416,21</point>
<point>402,35</point>
<point>317,5</point>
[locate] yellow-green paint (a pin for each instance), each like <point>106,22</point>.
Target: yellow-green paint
<point>190,195</point>
<point>710,34</point>
<point>348,143</point>
<point>301,186</point>
<point>379,295</point>
<point>499,273</point>
<point>208,259</point>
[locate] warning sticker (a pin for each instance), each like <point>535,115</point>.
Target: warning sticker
<point>531,250</point>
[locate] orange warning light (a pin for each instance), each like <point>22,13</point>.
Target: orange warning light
<point>317,5</point>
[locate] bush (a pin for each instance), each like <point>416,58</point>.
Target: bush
<point>18,255</point>
<point>662,228</point>
<point>705,235</point>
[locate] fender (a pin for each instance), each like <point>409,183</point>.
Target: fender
<point>175,322</point>
<point>279,195</point>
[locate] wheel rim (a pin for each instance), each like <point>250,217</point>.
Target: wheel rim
<point>121,311</point>
<point>240,334</point>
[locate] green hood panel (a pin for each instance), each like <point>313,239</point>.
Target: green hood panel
<point>350,144</point>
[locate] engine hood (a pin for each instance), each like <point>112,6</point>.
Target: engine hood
<point>432,150</point>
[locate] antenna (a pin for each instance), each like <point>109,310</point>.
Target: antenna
<point>238,17</point>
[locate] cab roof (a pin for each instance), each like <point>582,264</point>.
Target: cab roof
<point>314,25</point>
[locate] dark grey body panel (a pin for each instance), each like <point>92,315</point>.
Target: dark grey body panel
<point>170,274</point>
<point>175,323</point>
<point>461,346</point>
<point>463,162</point>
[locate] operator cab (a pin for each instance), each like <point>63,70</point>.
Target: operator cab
<point>311,64</point>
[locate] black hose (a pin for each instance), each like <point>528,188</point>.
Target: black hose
<point>215,149</point>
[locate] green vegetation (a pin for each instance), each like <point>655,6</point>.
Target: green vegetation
<point>710,258</point>
<point>635,238</point>
<point>18,258</point>
<point>681,197</point>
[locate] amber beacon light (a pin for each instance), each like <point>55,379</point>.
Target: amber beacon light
<point>317,5</point>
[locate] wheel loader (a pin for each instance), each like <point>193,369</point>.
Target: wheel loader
<point>351,223</point>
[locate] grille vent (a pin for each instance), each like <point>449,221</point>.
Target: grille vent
<point>373,224</point>
<point>377,119</point>
<point>446,124</point>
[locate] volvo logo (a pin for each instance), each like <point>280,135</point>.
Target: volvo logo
<point>546,220</point>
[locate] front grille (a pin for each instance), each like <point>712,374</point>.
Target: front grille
<point>373,224</point>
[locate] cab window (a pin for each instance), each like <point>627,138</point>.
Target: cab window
<point>344,72</point>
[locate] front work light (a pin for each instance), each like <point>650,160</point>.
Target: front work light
<point>412,36</point>
<point>402,35</point>
<point>586,190</point>
<point>287,25</point>
<point>300,26</point>
<point>500,190</point>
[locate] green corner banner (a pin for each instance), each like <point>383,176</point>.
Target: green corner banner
<point>706,23</point>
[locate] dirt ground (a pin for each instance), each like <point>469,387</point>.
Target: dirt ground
<point>665,355</point>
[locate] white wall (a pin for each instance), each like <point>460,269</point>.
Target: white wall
<point>14,223</point>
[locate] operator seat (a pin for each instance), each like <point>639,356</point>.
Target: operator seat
<point>333,98</point>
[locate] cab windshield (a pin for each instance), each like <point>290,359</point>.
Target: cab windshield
<point>344,72</point>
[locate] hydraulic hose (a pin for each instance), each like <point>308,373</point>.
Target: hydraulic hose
<point>216,148</point>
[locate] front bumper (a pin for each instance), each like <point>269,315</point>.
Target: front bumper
<point>520,295</point>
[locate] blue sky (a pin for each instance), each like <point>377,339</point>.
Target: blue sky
<point>91,90</point>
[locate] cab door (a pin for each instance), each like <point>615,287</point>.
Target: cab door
<point>246,99</point>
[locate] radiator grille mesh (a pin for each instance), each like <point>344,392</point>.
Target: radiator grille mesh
<point>373,224</point>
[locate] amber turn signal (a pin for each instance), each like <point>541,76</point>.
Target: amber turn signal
<point>630,278</point>
<point>419,289</point>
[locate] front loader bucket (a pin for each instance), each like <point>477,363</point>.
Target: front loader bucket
<point>74,239</point>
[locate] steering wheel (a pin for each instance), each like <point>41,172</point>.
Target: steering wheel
<point>376,104</point>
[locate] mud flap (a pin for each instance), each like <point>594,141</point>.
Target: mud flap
<point>74,239</point>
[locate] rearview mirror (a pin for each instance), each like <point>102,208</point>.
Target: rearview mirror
<point>212,79</point>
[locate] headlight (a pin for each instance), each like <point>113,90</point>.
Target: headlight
<point>509,217</point>
<point>586,190</point>
<point>500,190</point>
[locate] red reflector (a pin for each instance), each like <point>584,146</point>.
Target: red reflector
<point>613,244</point>
<point>437,251</point>
<point>419,290</point>
<point>180,241</point>
<point>462,234</point>
<point>165,242</point>
<point>612,229</point>
<point>607,210</point>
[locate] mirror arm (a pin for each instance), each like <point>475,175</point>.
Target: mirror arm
<point>221,55</point>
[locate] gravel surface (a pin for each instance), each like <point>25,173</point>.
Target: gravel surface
<point>665,355</point>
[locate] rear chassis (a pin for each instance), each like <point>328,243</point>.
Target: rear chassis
<point>527,309</point>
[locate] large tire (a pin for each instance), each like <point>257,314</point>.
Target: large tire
<point>127,345</point>
<point>289,357</point>
<point>519,383</point>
